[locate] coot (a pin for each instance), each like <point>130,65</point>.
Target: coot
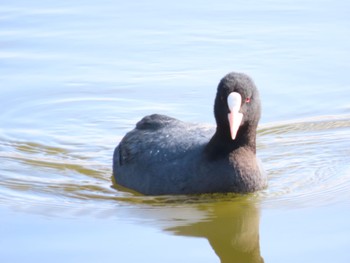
<point>163,155</point>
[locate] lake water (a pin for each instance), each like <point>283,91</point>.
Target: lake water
<point>75,76</point>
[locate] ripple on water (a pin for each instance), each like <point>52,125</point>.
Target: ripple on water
<point>307,163</point>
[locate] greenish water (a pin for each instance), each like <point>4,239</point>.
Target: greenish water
<point>75,76</point>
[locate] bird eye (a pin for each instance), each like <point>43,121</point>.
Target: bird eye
<point>247,100</point>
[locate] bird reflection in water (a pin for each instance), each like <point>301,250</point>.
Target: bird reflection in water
<point>232,229</point>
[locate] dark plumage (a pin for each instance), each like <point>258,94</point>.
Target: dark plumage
<point>163,155</point>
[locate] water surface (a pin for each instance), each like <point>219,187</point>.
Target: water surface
<point>76,76</point>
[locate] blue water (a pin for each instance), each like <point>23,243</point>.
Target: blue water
<point>75,76</point>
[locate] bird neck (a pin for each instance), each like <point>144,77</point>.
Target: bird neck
<point>221,144</point>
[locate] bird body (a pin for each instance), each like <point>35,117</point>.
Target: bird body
<point>163,155</point>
